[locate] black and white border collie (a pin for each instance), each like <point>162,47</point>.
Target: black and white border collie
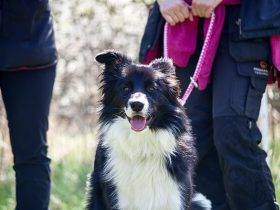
<point>145,157</point>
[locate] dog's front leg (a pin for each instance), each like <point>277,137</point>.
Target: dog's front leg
<point>95,187</point>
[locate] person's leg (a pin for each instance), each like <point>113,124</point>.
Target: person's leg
<point>27,97</point>
<point>237,93</point>
<point>208,176</point>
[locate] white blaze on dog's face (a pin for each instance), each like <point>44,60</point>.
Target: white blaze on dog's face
<point>137,111</point>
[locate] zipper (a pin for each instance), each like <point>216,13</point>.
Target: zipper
<point>239,23</point>
<point>1,8</point>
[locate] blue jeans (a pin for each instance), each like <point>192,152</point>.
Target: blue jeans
<point>232,171</point>
<point>27,96</point>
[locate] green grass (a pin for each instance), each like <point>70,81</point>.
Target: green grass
<point>69,174</point>
<point>72,162</point>
<point>275,166</point>
<point>68,187</point>
<point>7,191</point>
<point>69,183</point>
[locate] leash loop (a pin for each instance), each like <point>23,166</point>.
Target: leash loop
<point>194,82</point>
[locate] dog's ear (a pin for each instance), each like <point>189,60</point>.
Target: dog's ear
<point>164,65</point>
<point>112,58</point>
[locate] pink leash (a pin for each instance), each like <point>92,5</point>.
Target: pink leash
<point>197,71</point>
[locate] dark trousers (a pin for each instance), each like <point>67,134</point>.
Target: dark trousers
<point>232,171</point>
<point>27,97</point>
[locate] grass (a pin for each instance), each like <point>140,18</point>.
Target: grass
<point>72,162</point>
<point>68,186</point>
<point>275,166</point>
<point>69,174</point>
<point>7,191</point>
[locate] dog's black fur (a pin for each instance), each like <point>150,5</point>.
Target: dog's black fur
<point>120,78</point>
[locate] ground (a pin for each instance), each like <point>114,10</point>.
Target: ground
<point>72,164</point>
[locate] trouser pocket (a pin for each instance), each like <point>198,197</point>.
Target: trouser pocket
<point>248,89</point>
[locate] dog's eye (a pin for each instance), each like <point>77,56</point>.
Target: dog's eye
<point>151,88</point>
<point>126,89</point>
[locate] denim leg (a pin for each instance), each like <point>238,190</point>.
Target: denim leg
<point>27,97</point>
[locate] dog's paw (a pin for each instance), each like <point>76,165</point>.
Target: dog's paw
<point>200,202</point>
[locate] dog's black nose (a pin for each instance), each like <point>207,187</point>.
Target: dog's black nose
<point>136,106</point>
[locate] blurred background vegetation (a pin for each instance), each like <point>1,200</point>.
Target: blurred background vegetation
<point>83,29</point>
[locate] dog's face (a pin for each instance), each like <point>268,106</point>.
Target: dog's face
<point>144,94</point>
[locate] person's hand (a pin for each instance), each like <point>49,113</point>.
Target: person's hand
<point>204,8</point>
<point>174,11</point>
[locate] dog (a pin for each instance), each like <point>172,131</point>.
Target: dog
<point>145,157</point>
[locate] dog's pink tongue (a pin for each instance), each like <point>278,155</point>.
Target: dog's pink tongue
<point>138,123</point>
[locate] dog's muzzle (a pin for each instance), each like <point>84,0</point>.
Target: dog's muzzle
<point>137,111</point>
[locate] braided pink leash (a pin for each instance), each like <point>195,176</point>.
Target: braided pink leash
<point>197,71</point>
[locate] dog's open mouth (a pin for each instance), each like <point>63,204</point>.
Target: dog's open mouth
<point>139,123</point>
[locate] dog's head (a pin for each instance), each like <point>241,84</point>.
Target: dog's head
<point>144,94</point>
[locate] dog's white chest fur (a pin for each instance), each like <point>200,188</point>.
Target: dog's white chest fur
<point>137,167</point>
